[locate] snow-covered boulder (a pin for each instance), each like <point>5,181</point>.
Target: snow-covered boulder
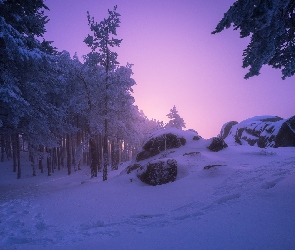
<point>226,129</point>
<point>158,172</point>
<point>217,144</point>
<point>264,131</point>
<point>155,166</point>
<point>286,135</point>
<point>159,142</point>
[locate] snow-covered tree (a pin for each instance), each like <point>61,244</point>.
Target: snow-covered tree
<point>116,82</point>
<point>120,105</point>
<point>175,120</point>
<point>270,24</point>
<point>27,75</point>
<point>20,23</point>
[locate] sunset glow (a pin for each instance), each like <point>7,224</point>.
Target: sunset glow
<point>177,61</point>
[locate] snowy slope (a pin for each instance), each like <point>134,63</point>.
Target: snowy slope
<point>247,203</point>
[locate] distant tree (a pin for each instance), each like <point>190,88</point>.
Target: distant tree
<point>175,120</point>
<point>271,26</point>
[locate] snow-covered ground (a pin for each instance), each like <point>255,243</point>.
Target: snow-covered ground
<point>246,203</point>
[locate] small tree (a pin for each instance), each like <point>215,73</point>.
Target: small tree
<point>271,25</point>
<point>175,120</point>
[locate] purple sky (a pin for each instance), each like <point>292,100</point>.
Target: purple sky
<point>177,61</point>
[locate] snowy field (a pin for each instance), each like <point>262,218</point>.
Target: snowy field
<point>247,202</point>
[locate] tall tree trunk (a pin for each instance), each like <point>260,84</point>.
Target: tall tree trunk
<point>94,157</point>
<point>14,153</point>
<point>2,148</point>
<point>18,157</point>
<point>48,162</point>
<point>73,146</point>
<point>105,155</point>
<point>126,157</point>
<point>100,152</point>
<point>32,160</point>
<point>105,137</point>
<point>58,157</point>
<point>41,157</point>
<point>117,153</point>
<point>8,147</point>
<point>85,153</point>
<point>68,155</point>
<point>120,151</point>
<point>78,143</point>
<point>62,151</point>
<point>52,160</point>
<point>112,153</point>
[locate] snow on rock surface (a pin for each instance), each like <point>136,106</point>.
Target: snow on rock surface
<point>226,129</point>
<point>246,200</point>
<point>217,144</point>
<point>261,131</point>
<point>169,144</point>
<point>158,172</point>
<point>160,141</point>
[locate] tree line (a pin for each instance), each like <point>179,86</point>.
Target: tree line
<point>65,112</point>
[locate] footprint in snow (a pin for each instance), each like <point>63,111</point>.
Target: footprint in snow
<point>271,184</point>
<point>227,198</point>
<point>146,216</point>
<point>189,216</point>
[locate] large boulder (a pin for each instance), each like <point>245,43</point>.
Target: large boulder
<point>217,144</point>
<point>226,129</point>
<point>158,144</point>
<point>286,135</point>
<point>264,131</point>
<point>158,172</point>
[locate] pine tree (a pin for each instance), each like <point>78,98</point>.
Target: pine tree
<point>175,120</point>
<point>102,39</point>
<point>271,25</point>
<point>20,22</point>
<point>27,75</point>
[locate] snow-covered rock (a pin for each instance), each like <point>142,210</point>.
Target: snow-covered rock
<point>217,144</point>
<point>226,129</point>
<point>159,142</point>
<point>261,131</point>
<point>286,135</point>
<point>158,172</point>
<point>158,164</point>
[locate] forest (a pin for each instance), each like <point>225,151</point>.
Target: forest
<point>62,111</point>
<point>66,112</point>
<point>83,167</point>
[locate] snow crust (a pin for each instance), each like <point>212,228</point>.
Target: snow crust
<point>246,202</point>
